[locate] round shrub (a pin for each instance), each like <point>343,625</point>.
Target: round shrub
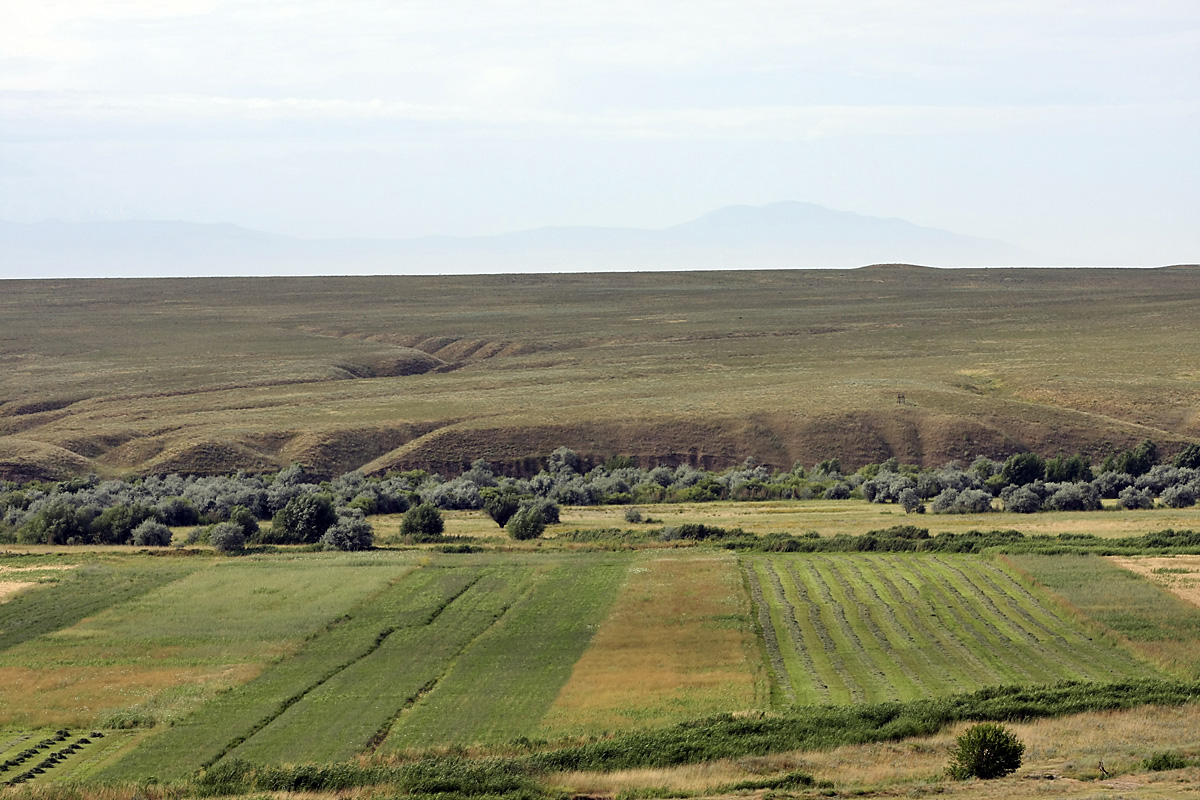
<point>423,523</point>
<point>151,533</point>
<point>227,537</point>
<point>1022,501</point>
<point>1178,496</point>
<point>528,523</point>
<point>840,491</point>
<point>1133,498</point>
<point>986,750</point>
<point>350,532</point>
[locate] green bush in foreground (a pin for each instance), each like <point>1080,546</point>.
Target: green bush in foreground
<point>986,750</point>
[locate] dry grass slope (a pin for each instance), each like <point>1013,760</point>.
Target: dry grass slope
<point>208,375</point>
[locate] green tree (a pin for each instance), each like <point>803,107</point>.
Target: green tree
<point>1023,468</point>
<point>422,523</point>
<point>500,506</point>
<point>303,520</point>
<point>1188,458</point>
<point>527,523</point>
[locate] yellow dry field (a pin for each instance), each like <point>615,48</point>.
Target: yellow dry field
<point>678,644</point>
<point>10,588</point>
<point>74,696</point>
<point>44,568</point>
<point>1179,575</point>
<point>1062,759</point>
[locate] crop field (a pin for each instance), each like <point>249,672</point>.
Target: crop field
<point>678,644</point>
<point>207,376</point>
<point>866,628</point>
<point>1162,627</point>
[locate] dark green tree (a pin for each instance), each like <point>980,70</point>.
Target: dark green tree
<point>422,523</point>
<point>1023,468</point>
<point>500,506</point>
<point>1188,458</point>
<point>986,750</point>
<point>303,520</point>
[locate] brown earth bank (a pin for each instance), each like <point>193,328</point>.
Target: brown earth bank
<point>215,375</point>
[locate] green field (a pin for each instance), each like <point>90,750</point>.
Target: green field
<point>708,367</point>
<point>867,628</point>
<point>568,659</point>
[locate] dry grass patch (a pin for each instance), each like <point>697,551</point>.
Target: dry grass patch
<point>10,588</point>
<point>81,695</point>
<point>678,644</point>
<point>1068,748</point>
<point>1179,575</point>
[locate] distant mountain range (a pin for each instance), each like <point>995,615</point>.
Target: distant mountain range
<point>787,235</point>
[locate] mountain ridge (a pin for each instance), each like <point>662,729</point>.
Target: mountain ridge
<point>788,234</point>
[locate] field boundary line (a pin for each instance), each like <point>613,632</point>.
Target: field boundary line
<point>380,638</point>
<point>385,730</point>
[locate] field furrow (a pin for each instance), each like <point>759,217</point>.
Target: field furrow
<point>779,673</point>
<point>502,685</point>
<point>857,662</point>
<point>354,705</point>
<point>886,647</point>
<point>813,659</point>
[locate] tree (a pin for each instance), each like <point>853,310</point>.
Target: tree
<point>1023,468</point>
<point>151,533</point>
<point>350,532</point>
<point>303,520</point>
<point>987,750</point>
<point>422,523</point>
<point>1188,458</point>
<point>500,506</point>
<point>527,523</point>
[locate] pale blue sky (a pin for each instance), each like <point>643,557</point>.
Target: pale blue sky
<point>1069,128</point>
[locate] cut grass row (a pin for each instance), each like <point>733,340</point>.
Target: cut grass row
<point>893,627</point>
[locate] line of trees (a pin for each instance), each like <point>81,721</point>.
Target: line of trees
<point>334,513</point>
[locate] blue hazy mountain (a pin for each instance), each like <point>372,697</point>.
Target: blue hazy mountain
<point>784,235</point>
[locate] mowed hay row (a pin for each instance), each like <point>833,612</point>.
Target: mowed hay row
<point>678,643</point>
<point>357,706</point>
<point>224,722</point>
<point>867,628</point>
<point>1160,626</point>
<point>503,684</point>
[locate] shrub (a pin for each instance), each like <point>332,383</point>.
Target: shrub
<point>422,523</point>
<point>910,501</point>
<point>527,523</point>
<point>151,533</point>
<point>838,491</point>
<point>227,537</point>
<point>986,750</point>
<point>1179,496</point>
<point>633,515</point>
<point>1022,500</point>
<point>350,532</point>
<point>1133,498</point>
<point>1164,761</point>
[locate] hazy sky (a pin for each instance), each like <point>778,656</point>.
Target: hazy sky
<point>1070,127</point>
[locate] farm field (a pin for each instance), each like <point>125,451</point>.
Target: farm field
<point>1162,627</point>
<point>395,654</point>
<point>703,367</point>
<point>865,628</point>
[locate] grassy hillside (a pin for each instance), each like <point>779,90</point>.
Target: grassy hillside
<point>212,375</point>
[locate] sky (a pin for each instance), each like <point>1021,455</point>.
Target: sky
<point>1070,128</point>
